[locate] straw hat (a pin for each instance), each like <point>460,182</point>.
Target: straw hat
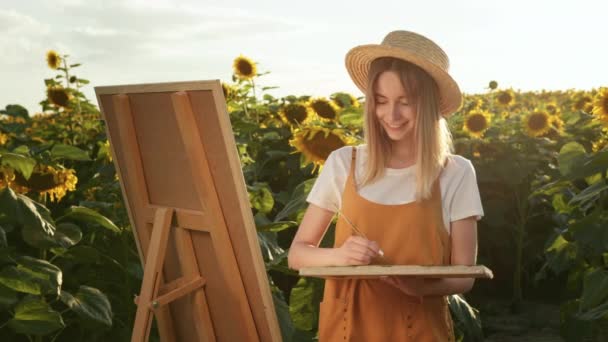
<point>416,49</point>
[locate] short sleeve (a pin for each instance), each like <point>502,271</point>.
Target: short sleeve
<point>327,189</point>
<point>467,200</point>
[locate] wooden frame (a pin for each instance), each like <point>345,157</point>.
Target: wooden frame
<point>180,175</point>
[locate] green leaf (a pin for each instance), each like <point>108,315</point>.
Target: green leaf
<point>16,111</point>
<point>90,304</point>
<point>21,210</point>
<point>43,272</point>
<point>19,280</point>
<point>595,289</point>
<point>260,197</point>
<point>66,235</point>
<point>304,303</point>
<point>298,199</point>
<point>87,215</point>
<point>3,241</point>
<point>62,151</point>
<point>25,165</point>
<point>75,65</point>
<point>561,254</point>
<point>269,245</point>
<point>466,318</point>
<point>590,193</point>
<point>277,226</point>
<point>8,297</point>
<point>22,149</point>
<point>33,316</point>
<point>282,311</point>
<point>570,157</point>
<point>84,254</point>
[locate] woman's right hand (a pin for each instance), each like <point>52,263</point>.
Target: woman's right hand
<point>356,251</point>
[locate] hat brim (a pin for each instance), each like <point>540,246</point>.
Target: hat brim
<point>359,59</point>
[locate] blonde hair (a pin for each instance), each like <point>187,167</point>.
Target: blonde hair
<point>432,136</point>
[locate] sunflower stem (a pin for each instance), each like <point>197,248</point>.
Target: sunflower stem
<point>257,119</point>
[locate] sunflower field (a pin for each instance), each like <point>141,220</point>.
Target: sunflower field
<point>69,268</point>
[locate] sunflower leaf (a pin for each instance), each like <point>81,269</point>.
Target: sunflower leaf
<point>90,304</point>
<point>88,216</point>
<point>21,163</point>
<point>62,151</point>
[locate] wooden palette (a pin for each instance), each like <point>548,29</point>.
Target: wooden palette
<point>376,271</point>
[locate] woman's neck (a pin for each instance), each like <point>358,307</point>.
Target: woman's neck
<point>402,156</point>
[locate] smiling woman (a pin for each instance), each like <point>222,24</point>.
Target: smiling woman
<point>405,192</point>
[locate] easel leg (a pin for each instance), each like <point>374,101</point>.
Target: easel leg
<point>152,273</point>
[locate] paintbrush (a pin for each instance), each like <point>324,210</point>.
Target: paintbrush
<point>356,230</point>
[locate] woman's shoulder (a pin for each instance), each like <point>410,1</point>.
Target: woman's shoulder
<point>458,166</point>
<point>344,153</point>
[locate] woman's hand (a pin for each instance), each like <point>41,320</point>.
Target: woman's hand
<point>413,286</point>
<point>356,251</point>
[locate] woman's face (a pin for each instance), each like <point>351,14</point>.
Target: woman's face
<point>395,112</point>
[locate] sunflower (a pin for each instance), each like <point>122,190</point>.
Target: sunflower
<point>344,100</point>
<point>493,85</point>
<point>316,143</point>
<point>600,144</point>
<point>7,179</point>
<point>294,113</point>
<point>47,180</point>
<point>244,68</point>
<point>53,59</point>
<point>580,103</point>
<point>505,97</point>
<point>557,122</point>
<point>537,123</point>
<point>600,105</point>
<point>3,138</point>
<point>476,123</point>
<point>58,95</point>
<point>552,108</point>
<point>325,109</point>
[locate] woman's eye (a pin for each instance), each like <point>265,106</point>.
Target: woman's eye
<point>405,103</point>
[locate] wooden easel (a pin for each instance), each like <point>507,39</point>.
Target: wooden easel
<point>153,297</point>
<point>215,249</point>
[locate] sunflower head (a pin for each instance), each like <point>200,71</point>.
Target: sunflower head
<point>325,109</point>
<point>344,100</point>
<point>600,105</point>
<point>53,59</point>
<point>580,102</point>
<point>316,143</point>
<point>294,113</point>
<point>505,97</point>
<point>493,85</point>
<point>58,95</point>
<point>537,123</point>
<point>244,68</point>
<point>552,108</point>
<point>476,123</point>
<point>3,138</point>
<point>600,144</point>
<point>48,180</point>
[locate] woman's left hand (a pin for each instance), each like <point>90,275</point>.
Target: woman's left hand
<point>413,286</point>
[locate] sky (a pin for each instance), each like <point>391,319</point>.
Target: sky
<point>524,45</point>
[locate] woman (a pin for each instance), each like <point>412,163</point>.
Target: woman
<point>414,202</point>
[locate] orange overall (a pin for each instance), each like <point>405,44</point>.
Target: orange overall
<point>371,310</point>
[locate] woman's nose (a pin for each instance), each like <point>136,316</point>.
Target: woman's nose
<point>395,113</point>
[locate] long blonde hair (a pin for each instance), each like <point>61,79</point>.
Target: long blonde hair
<point>432,136</point>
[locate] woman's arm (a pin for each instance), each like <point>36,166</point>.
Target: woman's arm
<point>305,251</point>
<point>464,252</point>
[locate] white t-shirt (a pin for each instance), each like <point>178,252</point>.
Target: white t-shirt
<point>458,183</point>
